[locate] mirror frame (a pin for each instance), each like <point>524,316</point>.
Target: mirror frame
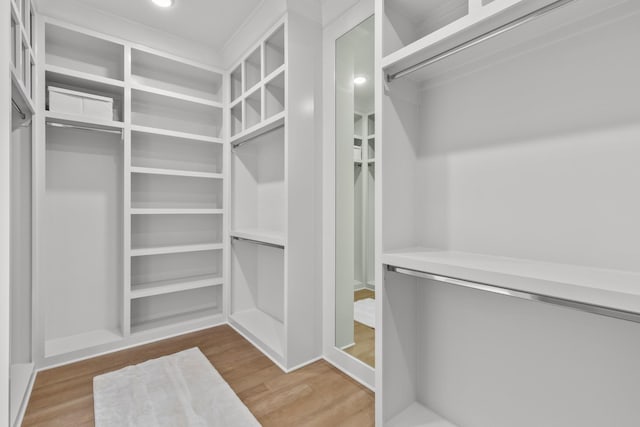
<point>344,23</point>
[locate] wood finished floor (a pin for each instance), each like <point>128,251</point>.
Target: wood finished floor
<point>363,336</point>
<point>316,395</point>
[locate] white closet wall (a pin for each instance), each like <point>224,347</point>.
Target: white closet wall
<point>510,164</point>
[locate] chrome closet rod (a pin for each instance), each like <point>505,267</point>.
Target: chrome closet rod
<point>258,242</point>
<point>479,39</point>
<point>529,296</point>
<point>18,109</point>
<point>66,126</point>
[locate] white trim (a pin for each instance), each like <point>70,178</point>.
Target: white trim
<point>353,367</point>
<point>25,400</point>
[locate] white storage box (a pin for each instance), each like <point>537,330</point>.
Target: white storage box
<point>357,153</point>
<point>80,103</point>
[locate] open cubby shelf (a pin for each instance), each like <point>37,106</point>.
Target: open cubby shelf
<point>153,231</point>
<point>173,76</point>
<point>257,89</point>
<point>174,285</point>
<point>80,52</point>
<point>150,191</point>
<point>172,153</point>
<point>158,111</point>
<point>192,305</point>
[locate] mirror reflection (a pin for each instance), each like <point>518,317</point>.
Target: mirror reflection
<point>355,189</point>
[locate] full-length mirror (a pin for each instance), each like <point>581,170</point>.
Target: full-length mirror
<point>355,177</point>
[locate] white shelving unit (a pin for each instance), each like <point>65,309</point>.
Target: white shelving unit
<point>364,181</point>
<point>136,247</point>
<point>273,294</point>
<point>497,185</point>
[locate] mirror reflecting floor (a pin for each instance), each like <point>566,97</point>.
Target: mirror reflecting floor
<point>364,336</point>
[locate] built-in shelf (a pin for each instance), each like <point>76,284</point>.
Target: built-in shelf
<point>257,235</point>
<point>612,289</point>
<point>473,24</point>
<point>80,78</point>
<point>260,129</point>
<point>84,121</point>
<point>175,249</point>
<point>175,285</point>
<point>417,415</point>
<point>172,172</point>
<point>259,325</point>
<point>142,211</point>
<point>197,318</point>
<point>58,346</point>
<point>176,95</point>
<point>175,134</point>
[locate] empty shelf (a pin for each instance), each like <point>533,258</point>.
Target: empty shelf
<point>263,327</point>
<point>417,415</point>
<point>176,95</point>
<point>174,172</point>
<point>199,318</point>
<point>175,249</point>
<point>142,211</point>
<point>175,285</point>
<point>175,134</point>
<point>599,288</point>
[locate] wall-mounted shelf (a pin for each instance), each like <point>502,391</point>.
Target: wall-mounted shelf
<point>175,249</point>
<point>84,121</point>
<point>602,289</point>
<point>160,211</point>
<point>175,285</point>
<point>173,172</point>
<point>176,134</point>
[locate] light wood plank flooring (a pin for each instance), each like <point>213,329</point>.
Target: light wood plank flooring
<point>363,336</point>
<point>316,395</point>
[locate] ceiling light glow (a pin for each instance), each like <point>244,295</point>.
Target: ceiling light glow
<point>360,80</point>
<point>163,3</point>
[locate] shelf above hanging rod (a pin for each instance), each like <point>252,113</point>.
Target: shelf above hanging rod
<point>479,39</point>
<point>88,128</point>
<point>529,296</point>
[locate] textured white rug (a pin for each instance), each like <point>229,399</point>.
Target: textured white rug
<point>180,390</point>
<point>364,311</point>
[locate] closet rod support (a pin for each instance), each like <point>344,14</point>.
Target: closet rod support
<point>18,109</point>
<point>479,39</point>
<point>258,242</point>
<point>529,296</point>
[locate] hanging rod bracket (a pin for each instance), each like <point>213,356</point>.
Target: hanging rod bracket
<point>257,242</point>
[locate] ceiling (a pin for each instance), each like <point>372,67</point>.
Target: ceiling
<point>209,22</point>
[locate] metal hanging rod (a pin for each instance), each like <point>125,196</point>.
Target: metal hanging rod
<point>18,109</point>
<point>258,242</point>
<point>479,39</point>
<point>66,126</point>
<point>529,296</point>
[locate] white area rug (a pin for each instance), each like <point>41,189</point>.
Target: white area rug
<point>180,390</point>
<point>364,311</point>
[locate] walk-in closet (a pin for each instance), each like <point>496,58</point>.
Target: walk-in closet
<point>390,213</point>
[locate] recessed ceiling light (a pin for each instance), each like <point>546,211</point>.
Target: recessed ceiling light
<point>360,80</point>
<point>163,3</point>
